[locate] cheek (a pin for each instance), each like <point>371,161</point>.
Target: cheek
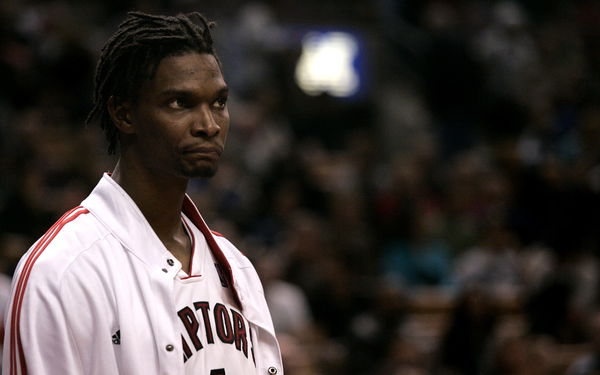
<point>162,133</point>
<point>224,123</point>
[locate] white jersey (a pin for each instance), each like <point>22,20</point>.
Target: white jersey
<point>214,332</point>
<point>96,295</point>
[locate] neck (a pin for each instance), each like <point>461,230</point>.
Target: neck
<point>158,197</point>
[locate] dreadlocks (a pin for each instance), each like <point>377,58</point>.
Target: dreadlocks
<point>133,53</point>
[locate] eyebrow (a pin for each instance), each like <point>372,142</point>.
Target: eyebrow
<point>184,92</point>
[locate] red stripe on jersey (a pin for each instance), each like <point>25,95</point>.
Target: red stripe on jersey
<point>189,277</point>
<point>17,297</point>
<point>192,212</point>
<point>15,335</point>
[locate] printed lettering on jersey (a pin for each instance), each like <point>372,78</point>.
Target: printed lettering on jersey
<point>207,326</point>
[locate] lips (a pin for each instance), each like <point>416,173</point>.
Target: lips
<point>208,151</point>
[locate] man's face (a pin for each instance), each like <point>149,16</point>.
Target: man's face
<point>181,120</point>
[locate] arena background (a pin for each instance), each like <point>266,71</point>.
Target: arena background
<point>418,182</point>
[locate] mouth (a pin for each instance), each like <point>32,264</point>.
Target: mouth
<point>211,152</point>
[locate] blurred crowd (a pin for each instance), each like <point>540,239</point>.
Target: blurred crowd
<point>445,221</point>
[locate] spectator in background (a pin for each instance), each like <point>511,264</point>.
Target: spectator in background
<point>493,265</point>
<point>292,317</point>
<point>469,335</point>
<point>287,302</point>
<point>589,362</point>
<point>519,355</point>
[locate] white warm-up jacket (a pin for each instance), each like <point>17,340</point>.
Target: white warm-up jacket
<point>94,295</point>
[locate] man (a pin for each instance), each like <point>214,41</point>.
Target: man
<point>132,281</point>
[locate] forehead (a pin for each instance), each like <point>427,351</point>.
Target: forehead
<point>190,71</point>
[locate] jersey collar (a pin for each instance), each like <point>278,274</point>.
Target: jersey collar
<point>112,206</point>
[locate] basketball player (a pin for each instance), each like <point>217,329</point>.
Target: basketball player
<point>132,281</point>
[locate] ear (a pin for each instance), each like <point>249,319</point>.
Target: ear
<point>120,113</point>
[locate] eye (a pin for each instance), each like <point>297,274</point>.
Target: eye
<point>220,103</point>
<point>177,103</point>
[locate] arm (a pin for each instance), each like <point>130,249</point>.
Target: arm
<point>60,325</point>
<point>38,339</point>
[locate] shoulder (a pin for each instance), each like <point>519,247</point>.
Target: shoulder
<point>232,252</point>
<point>52,255</point>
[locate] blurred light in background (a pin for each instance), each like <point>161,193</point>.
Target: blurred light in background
<point>328,64</point>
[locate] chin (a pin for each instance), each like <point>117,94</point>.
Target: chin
<point>201,172</point>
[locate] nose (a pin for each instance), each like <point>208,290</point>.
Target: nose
<point>204,123</point>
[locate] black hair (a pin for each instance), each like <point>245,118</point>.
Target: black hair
<point>132,55</point>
